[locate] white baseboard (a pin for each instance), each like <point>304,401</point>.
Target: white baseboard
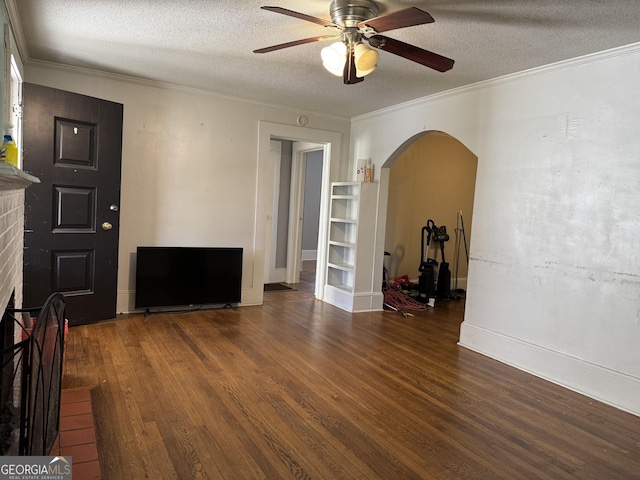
<point>608,386</point>
<point>368,302</point>
<point>359,302</point>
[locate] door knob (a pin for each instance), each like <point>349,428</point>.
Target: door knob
<point>107,226</point>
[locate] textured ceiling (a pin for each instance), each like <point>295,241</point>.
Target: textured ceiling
<point>208,44</point>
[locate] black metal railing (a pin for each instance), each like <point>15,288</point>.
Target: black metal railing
<point>13,398</point>
<point>40,363</point>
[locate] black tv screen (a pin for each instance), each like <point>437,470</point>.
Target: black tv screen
<point>185,276</point>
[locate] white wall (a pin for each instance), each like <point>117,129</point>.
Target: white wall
<point>189,168</point>
<point>554,281</point>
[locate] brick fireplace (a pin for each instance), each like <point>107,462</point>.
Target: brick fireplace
<point>14,385</point>
<point>11,250</point>
<point>11,244</point>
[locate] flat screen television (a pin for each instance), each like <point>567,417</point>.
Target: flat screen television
<point>186,276</point>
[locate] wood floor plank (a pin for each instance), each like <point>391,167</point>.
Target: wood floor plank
<point>299,389</point>
<point>155,455</point>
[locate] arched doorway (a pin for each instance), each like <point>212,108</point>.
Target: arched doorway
<point>431,176</point>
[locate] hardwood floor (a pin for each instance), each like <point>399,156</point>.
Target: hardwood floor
<point>300,389</point>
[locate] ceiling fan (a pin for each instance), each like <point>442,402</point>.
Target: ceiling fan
<point>356,22</point>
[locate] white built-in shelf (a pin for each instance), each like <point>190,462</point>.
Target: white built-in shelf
<point>12,178</point>
<point>342,244</point>
<point>343,220</point>
<point>345,197</point>
<point>342,266</point>
<point>344,289</point>
<point>350,246</point>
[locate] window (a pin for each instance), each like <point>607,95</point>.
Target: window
<point>15,106</point>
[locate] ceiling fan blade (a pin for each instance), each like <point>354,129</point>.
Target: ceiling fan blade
<point>301,16</point>
<point>294,43</point>
<point>411,52</point>
<point>407,17</point>
<point>349,75</point>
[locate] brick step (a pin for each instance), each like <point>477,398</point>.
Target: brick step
<point>77,437</point>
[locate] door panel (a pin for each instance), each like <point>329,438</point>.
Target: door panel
<point>73,143</point>
<point>75,209</point>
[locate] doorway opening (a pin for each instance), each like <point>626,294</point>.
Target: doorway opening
<point>293,231</point>
<point>295,214</point>
<point>308,141</point>
<point>432,176</point>
<point>304,208</point>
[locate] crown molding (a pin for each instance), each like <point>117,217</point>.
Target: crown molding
<point>16,28</point>
<point>130,79</point>
<point>532,72</point>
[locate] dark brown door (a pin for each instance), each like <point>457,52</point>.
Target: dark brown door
<point>73,143</point>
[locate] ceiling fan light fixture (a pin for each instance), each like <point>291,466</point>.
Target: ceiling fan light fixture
<point>363,73</point>
<point>335,71</point>
<point>366,59</point>
<point>358,24</point>
<point>334,57</point>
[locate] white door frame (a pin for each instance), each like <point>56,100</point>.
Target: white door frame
<point>296,207</point>
<point>261,244</point>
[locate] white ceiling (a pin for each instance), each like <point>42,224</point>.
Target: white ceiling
<point>208,44</point>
